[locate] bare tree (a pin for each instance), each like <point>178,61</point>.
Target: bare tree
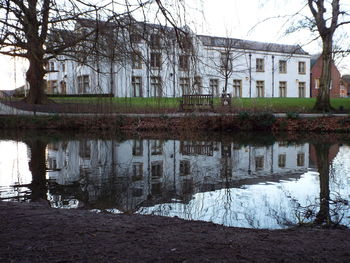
<point>25,27</point>
<point>326,18</point>
<point>28,29</point>
<point>228,63</point>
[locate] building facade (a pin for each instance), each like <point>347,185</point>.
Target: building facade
<point>155,64</point>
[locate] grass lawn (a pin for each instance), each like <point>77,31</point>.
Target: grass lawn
<point>238,104</point>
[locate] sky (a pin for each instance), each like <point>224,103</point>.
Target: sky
<point>258,20</point>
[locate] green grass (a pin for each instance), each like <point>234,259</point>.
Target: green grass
<point>238,104</point>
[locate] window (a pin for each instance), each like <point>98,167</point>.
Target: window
<point>156,60</point>
<point>185,167</point>
<point>226,62</point>
<point>214,87</point>
<point>260,88</point>
<point>137,171</point>
<point>156,86</point>
<point>317,83</point>
<point>52,66</point>
<point>63,67</point>
<point>283,144</point>
<point>52,86</point>
<point>300,159</point>
<point>135,38</point>
<point>197,84</point>
<point>260,65</point>
<point>283,89</point>
<point>183,62</point>
<point>283,66</point>
<point>301,67</point>
<point>137,148</point>
<point>156,147</point>
<point>259,163</point>
<point>85,149</point>
<point>83,83</point>
<point>185,86</point>
<point>282,160</point>
<point>52,163</point>
<point>136,83</point>
<point>155,41</point>
<point>237,88</point>
<point>136,59</point>
<point>156,169</point>
<point>301,89</point>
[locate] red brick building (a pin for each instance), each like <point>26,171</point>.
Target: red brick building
<point>316,69</point>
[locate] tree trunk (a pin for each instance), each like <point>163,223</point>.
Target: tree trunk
<point>35,77</point>
<point>35,54</point>
<point>323,102</point>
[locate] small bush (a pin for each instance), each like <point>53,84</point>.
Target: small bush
<point>292,115</point>
<point>264,121</point>
<point>244,115</point>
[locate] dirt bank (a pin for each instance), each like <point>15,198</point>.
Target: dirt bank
<point>260,122</point>
<point>35,233</point>
<point>165,121</point>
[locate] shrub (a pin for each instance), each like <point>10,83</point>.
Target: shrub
<point>244,115</point>
<point>292,115</point>
<point>264,121</point>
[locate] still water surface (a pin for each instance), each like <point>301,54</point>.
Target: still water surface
<point>267,185</point>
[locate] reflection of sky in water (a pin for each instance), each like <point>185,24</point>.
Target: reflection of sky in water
<point>262,205</point>
<point>259,206</point>
<point>14,168</point>
<point>265,205</point>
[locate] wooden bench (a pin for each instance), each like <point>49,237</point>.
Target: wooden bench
<point>197,102</point>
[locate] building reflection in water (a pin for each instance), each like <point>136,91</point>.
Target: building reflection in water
<point>260,186</point>
<point>134,173</point>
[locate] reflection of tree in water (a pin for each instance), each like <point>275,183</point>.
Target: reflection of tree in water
<point>330,208</point>
<point>323,163</point>
<point>37,166</point>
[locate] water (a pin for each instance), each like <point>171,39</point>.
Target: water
<point>243,183</point>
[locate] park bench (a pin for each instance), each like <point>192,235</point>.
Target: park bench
<point>197,102</point>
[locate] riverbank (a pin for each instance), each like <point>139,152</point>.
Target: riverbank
<point>36,233</point>
<point>178,124</point>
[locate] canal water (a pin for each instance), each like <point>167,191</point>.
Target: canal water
<point>263,183</point>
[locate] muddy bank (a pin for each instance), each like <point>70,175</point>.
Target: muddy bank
<point>35,233</point>
<point>191,123</point>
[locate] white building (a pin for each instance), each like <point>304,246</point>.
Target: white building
<point>152,63</point>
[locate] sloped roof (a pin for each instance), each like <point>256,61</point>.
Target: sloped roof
<point>314,59</point>
<point>250,45</point>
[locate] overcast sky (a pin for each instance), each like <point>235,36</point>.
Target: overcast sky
<point>246,19</point>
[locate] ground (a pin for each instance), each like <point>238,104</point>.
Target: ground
<point>36,233</point>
